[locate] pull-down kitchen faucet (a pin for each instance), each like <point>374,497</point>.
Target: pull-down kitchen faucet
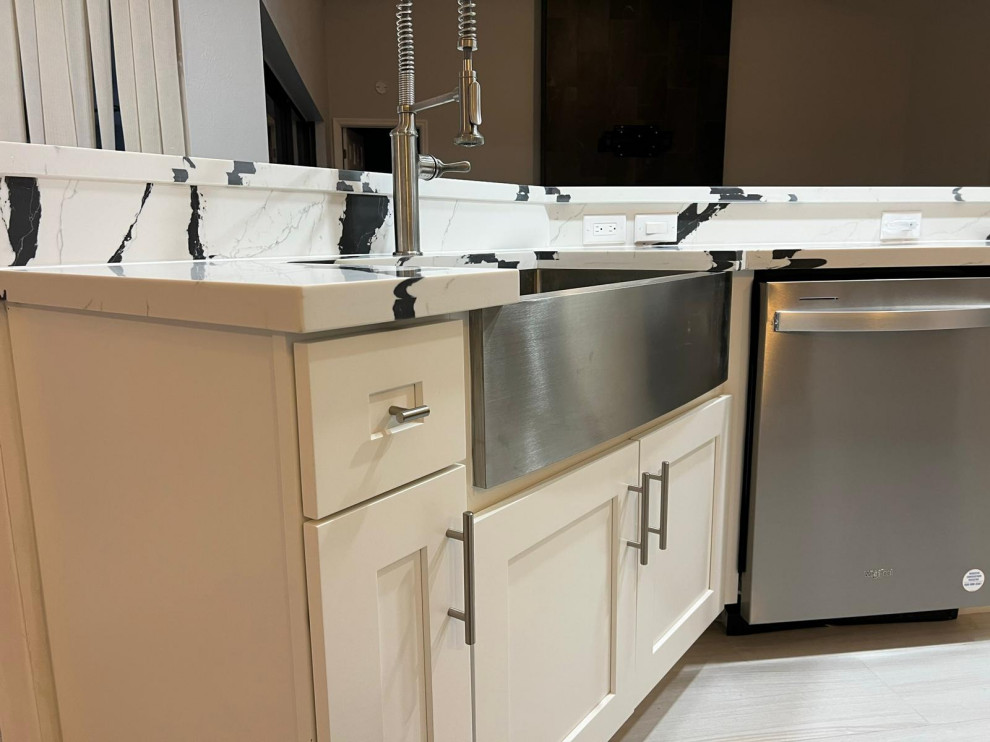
<point>408,166</point>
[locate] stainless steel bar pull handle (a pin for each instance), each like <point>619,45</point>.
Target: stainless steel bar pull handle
<point>664,503</point>
<point>644,518</point>
<point>882,320</point>
<point>466,537</point>
<point>408,414</point>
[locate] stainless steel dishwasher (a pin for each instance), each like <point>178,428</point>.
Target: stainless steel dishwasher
<point>869,489</point>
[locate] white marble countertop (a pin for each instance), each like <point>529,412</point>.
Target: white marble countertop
<point>275,295</point>
<point>334,292</point>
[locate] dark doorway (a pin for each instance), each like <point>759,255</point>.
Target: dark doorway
<point>291,138</point>
<point>368,148</point>
<point>634,91</point>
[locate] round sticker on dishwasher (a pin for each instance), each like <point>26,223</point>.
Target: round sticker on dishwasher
<point>973,580</point>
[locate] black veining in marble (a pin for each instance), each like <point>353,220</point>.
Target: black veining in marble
<point>192,231</point>
<point>734,195</point>
<point>523,193</point>
<point>119,252</point>
<point>723,260</point>
<point>793,261</point>
<point>24,197</point>
<point>363,216</point>
<point>690,219</point>
<point>404,306</point>
<point>240,169</point>
<point>480,258</point>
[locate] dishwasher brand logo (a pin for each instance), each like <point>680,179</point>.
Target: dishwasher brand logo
<point>879,574</point>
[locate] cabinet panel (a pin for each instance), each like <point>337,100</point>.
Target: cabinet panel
<point>168,538</point>
<point>555,612</point>
<point>679,591</point>
<point>389,664</point>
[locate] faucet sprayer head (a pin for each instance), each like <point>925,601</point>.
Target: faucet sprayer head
<point>469,96</point>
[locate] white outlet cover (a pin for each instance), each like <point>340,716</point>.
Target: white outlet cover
<point>900,225</point>
<point>618,237</point>
<point>656,228</point>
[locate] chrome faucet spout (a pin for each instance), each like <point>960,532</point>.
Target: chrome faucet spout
<point>408,166</point>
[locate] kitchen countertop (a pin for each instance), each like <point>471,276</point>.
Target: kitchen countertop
<point>287,295</point>
<point>277,295</point>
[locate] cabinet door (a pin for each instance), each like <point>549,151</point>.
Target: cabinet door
<point>678,592</point>
<point>389,664</point>
<point>555,615</point>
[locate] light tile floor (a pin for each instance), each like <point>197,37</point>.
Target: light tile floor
<point>921,682</point>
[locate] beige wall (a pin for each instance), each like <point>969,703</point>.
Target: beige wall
<point>361,50</point>
<point>858,92</point>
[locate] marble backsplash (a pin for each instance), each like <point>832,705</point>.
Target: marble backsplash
<point>71,206</point>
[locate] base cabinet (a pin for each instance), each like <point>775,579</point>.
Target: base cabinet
<point>555,612</point>
<point>389,664</point>
<point>576,616</point>
<point>679,591</point>
<point>575,624</point>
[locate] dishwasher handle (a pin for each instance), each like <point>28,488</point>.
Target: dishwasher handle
<point>883,320</point>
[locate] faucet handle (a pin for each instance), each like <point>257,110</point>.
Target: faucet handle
<point>431,167</point>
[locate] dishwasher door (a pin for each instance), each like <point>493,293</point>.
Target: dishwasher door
<point>869,489</point>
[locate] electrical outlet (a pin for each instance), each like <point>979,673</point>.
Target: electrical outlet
<point>605,230</point>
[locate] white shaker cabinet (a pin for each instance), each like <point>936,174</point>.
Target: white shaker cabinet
<point>679,591</point>
<point>390,664</point>
<point>555,612</point>
<point>575,622</point>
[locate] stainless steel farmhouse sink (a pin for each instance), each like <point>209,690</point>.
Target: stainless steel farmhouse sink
<point>587,355</point>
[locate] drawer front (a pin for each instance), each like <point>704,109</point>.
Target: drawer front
<point>350,447</point>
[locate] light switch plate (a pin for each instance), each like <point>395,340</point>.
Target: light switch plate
<point>900,225</point>
<point>656,228</point>
<point>605,230</point>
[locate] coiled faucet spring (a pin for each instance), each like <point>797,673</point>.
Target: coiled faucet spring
<point>407,54</point>
<point>467,24</point>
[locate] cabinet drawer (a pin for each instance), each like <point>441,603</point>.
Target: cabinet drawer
<point>350,447</point>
